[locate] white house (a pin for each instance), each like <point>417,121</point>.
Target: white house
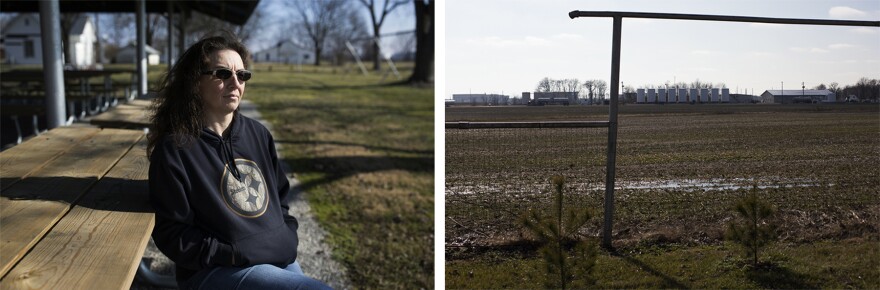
<point>21,39</point>
<point>285,52</point>
<point>128,55</point>
<point>82,40</point>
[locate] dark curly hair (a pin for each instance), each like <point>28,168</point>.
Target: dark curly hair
<point>178,109</point>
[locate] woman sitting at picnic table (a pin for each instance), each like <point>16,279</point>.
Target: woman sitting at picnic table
<point>220,195</point>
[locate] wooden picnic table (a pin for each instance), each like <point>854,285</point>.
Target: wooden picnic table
<point>75,209</point>
<point>131,115</point>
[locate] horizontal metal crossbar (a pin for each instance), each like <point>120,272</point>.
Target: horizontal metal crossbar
<point>545,124</point>
<point>576,13</point>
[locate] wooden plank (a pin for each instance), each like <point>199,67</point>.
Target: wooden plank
<point>33,205</point>
<point>134,115</point>
<point>25,158</point>
<point>99,244</point>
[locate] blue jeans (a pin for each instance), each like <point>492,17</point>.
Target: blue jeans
<point>262,276</point>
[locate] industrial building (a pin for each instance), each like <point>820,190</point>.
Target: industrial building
<point>480,99</point>
<point>797,96</point>
<point>569,97</point>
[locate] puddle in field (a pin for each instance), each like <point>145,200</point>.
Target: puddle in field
<point>714,184</point>
<point>687,185</point>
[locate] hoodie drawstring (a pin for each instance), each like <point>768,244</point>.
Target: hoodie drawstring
<point>229,158</point>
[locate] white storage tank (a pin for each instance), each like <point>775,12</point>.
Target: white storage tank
<point>693,96</point>
<point>682,95</point>
<point>716,96</point>
<point>704,95</point>
<point>640,96</point>
<point>661,96</point>
<point>652,96</point>
<point>725,95</point>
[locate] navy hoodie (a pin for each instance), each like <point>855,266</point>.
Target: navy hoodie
<point>211,213</point>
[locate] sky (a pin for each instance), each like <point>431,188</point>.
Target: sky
<point>400,19</point>
<point>506,47</point>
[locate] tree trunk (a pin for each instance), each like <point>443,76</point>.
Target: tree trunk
<point>317,55</point>
<point>376,63</point>
<point>424,67</point>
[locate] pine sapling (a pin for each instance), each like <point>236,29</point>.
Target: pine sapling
<point>568,260</point>
<point>755,230</point>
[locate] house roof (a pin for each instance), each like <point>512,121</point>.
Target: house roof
<point>79,25</point>
<point>14,21</point>
<point>286,47</point>
<point>799,92</point>
<point>233,11</point>
<point>148,49</point>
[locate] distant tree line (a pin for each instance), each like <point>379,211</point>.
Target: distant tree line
<point>590,89</point>
<point>864,89</point>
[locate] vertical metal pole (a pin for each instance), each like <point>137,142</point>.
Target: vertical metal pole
<point>181,36</point>
<point>141,48</point>
<point>170,53</point>
<point>53,69</point>
<point>612,135</point>
<point>99,41</point>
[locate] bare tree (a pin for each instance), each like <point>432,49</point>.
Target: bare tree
<point>377,20</point>
<point>570,85</point>
<point>318,19</point>
<point>544,85</point>
<point>590,87</point>
<point>834,87</point>
<point>595,89</point>
<point>351,28</point>
<point>154,28</point>
<point>601,87</point>
<point>423,72</point>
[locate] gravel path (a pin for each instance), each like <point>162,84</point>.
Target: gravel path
<point>314,254</point>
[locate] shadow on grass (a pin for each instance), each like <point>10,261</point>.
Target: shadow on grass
<point>668,282</point>
<point>335,168</point>
<point>318,85</point>
<point>370,147</point>
<point>777,277</point>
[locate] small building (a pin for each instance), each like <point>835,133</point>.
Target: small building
<point>797,96</point>
<point>128,55</point>
<point>286,52</point>
<point>21,41</point>
<point>571,96</point>
<point>479,99</point>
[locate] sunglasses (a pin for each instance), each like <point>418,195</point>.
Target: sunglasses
<point>225,73</point>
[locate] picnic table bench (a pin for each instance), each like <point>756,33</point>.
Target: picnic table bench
<point>75,209</point>
<point>131,115</point>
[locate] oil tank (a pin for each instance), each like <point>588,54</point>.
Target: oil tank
<point>682,95</point>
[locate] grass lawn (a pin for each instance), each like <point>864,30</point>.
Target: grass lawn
<point>787,266</point>
<point>363,150</point>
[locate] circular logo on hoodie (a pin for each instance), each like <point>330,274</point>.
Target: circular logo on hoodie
<point>246,195</point>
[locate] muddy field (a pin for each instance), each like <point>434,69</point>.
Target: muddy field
<point>679,170</point>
